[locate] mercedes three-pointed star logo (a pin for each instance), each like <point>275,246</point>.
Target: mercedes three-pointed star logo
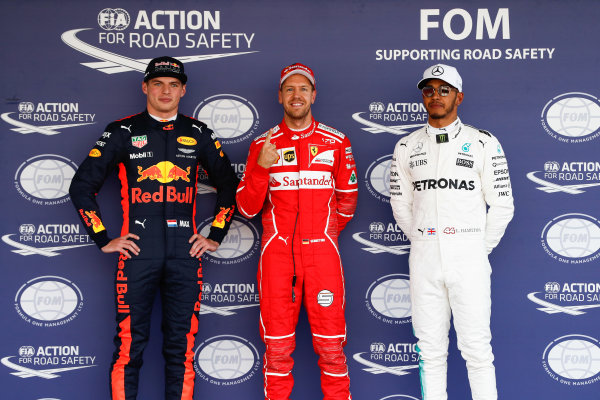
<point>437,71</point>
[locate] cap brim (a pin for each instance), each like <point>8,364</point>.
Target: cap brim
<point>181,77</point>
<point>423,82</point>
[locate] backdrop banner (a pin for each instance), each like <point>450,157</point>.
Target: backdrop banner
<point>530,77</point>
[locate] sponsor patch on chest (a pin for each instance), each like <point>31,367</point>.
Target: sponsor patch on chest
<point>321,155</point>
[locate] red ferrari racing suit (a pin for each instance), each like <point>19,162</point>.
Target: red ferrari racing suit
<point>158,164</point>
<point>306,198</point>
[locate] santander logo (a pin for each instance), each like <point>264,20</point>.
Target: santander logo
<point>301,180</point>
<point>274,182</point>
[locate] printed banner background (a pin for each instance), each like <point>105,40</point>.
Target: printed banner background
<point>530,77</point>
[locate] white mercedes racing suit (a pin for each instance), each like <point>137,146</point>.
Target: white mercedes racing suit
<point>439,190</point>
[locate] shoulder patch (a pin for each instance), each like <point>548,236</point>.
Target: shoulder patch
<point>128,117</point>
<point>479,130</point>
<point>330,130</point>
<point>192,120</point>
<point>264,135</point>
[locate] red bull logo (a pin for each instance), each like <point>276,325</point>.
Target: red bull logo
<point>97,225</point>
<point>164,172</point>
<point>152,172</point>
<point>220,219</point>
<point>177,173</point>
<point>121,286</point>
<point>168,194</point>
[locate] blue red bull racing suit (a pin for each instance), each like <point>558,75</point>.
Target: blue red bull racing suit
<point>158,166</point>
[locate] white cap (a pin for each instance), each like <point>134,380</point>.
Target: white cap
<point>443,72</point>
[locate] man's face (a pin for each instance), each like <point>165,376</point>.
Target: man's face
<point>163,95</point>
<point>440,107</point>
<point>297,95</point>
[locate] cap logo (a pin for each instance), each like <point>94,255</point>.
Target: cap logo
<point>437,71</point>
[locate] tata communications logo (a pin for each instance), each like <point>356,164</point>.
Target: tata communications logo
<point>46,118</point>
<point>398,397</point>
<point>226,299</point>
<point>572,238</point>
<point>572,117</point>
<point>233,118</point>
<point>47,362</point>
<point>570,298</point>
<point>226,360</point>
<point>45,179</point>
<point>394,118</point>
<point>47,240</point>
<point>573,360</point>
<point>377,178</point>
<point>389,358</point>
<point>240,244</point>
<point>567,177</point>
<point>48,301</point>
<point>383,238</point>
<point>156,30</point>
<point>388,299</point>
